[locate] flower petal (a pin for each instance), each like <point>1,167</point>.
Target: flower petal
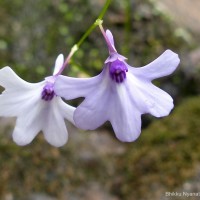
<point>164,65</point>
<point>110,37</point>
<point>13,104</point>
<point>55,131</point>
<point>70,88</point>
<point>114,57</point>
<point>149,98</point>
<point>124,116</point>
<point>110,42</point>
<point>58,64</point>
<point>93,111</point>
<point>18,94</point>
<point>10,81</point>
<point>29,124</point>
<point>66,110</point>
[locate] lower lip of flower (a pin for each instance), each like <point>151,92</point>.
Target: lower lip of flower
<point>117,70</point>
<point>48,92</point>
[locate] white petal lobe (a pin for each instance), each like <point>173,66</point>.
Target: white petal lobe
<point>58,64</point>
<point>54,128</point>
<point>28,125</point>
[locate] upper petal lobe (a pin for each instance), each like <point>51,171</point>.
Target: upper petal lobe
<point>70,88</point>
<point>164,65</point>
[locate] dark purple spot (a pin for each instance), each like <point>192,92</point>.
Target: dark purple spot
<point>48,92</point>
<point>118,71</point>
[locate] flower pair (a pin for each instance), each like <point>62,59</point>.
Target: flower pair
<point>119,94</point>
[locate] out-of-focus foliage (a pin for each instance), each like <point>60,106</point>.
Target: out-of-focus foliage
<point>33,33</point>
<point>165,155</point>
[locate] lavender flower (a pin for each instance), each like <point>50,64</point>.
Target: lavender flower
<point>120,93</point>
<point>36,106</point>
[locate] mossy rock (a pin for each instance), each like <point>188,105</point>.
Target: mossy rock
<point>162,159</point>
<point>166,154</point>
<point>41,168</point>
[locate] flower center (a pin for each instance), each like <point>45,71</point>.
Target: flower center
<point>48,92</point>
<point>118,71</point>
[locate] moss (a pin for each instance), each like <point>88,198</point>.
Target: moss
<point>166,154</point>
<point>40,167</point>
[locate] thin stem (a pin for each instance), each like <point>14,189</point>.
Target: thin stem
<point>85,35</point>
<point>110,46</point>
<point>103,33</point>
<point>93,26</point>
<point>71,53</point>
<point>104,9</point>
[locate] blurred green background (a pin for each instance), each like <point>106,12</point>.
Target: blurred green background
<point>94,165</point>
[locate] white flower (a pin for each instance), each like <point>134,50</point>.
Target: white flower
<point>36,107</point>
